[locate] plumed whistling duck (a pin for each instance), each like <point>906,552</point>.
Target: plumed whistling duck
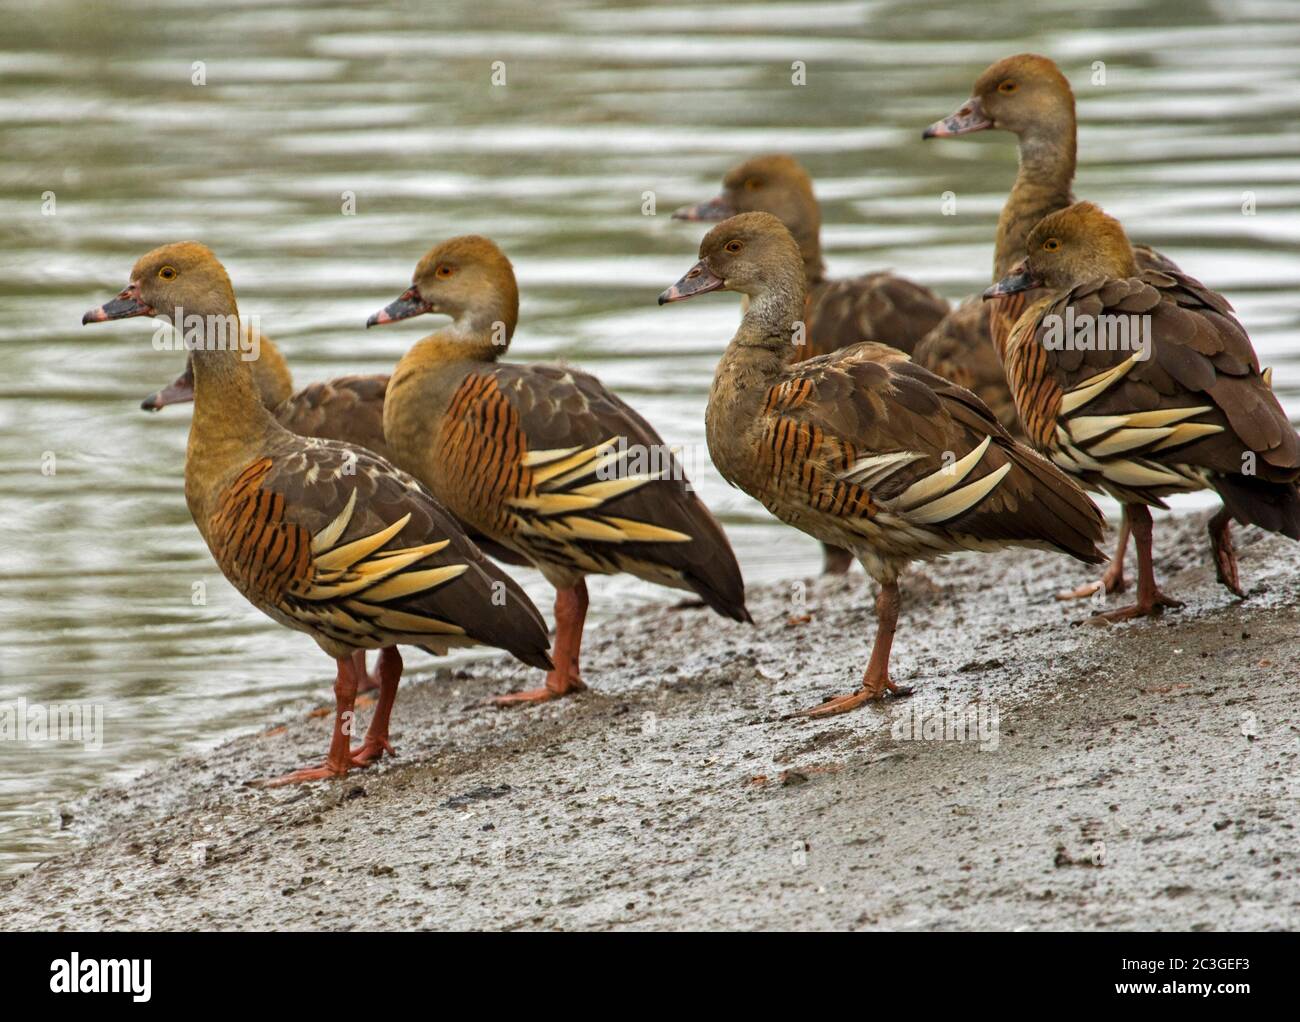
<point>1185,408</point>
<point>542,459</point>
<point>322,536</point>
<point>863,448</point>
<point>349,408</point>
<point>1027,95</point>
<point>874,307</point>
<point>346,408</point>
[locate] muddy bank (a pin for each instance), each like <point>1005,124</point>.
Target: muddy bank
<point>1135,776</point>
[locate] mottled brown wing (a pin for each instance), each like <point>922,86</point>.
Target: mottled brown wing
<point>1149,259</point>
<point>969,346</point>
<point>1005,312</point>
<point>876,307</point>
<point>868,434</point>
<point>349,408</point>
<point>960,348</point>
<point>334,541</point>
<point>1144,427</point>
<point>546,460</point>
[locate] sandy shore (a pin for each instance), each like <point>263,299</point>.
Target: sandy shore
<point>1134,776</point>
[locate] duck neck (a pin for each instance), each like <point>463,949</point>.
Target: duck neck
<point>748,368</point>
<point>768,334</point>
<point>751,364</point>
<point>473,337</point>
<point>271,375</point>
<point>481,333</point>
<point>773,313</point>
<point>810,248</point>
<point>231,422</point>
<point>1043,185</point>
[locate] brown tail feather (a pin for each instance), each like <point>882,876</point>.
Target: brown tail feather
<point>530,644</point>
<point>1059,512</point>
<point>1069,520</point>
<point>1255,501</point>
<point>717,580</point>
<point>727,599</point>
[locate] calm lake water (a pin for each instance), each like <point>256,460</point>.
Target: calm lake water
<point>603,101</point>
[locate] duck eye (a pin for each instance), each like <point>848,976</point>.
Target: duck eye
<point>733,246</point>
<point>444,271</point>
<point>1007,87</point>
<point>753,184</point>
<point>1051,245</point>
<point>167,273</point>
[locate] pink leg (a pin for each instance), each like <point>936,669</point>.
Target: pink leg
<point>1225,556</point>
<point>570,614</point>
<point>875,682</point>
<point>835,561</point>
<point>340,755</point>
<point>1150,600</point>
<point>376,744</point>
<point>1112,581</point>
<point>368,682</point>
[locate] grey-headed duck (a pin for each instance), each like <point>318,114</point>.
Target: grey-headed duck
<point>880,306</point>
<point>863,448</point>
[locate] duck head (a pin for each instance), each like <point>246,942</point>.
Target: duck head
<point>467,278</point>
<point>752,253</point>
<point>775,184</point>
<point>178,392</point>
<point>1066,248</point>
<point>184,275</point>
<point>1021,94</point>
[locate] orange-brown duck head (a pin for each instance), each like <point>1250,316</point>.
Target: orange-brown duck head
<point>184,275</point>
<point>752,253</point>
<point>775,184</point>
<point>467,278</point>
<point>1066,248</point>
<point>1020,94</point>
